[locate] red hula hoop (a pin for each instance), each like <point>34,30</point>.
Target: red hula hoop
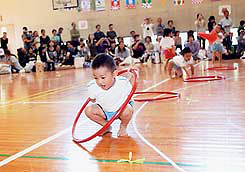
<point>174,95</point>
<point>112,119</point>
<point>222,68</point>
<point>76,140</point>
<point>204,78</point>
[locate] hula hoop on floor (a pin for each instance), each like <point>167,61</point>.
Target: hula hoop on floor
<point>76,140</point>
<point>172,95</point>
<point>222,68</point>
<point>204,78</point>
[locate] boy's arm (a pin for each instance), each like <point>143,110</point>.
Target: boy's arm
<point>192,69</point>
<point>186,71</point>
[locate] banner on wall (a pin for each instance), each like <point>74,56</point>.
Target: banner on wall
<point>223,7</point>
<point>130,3</point>
<point>215,0</point>
<point>115,4</point>
<point>99,5</point>
<point>85,5</point>
<point>146,3</point>
<point>197,2</point>
<point>179,2</point>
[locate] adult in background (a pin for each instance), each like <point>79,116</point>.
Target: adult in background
<point>171,26</point>
<point>200,27</point>
<point>98,34</point>
<point>138,49</point>
<point>148,28</point>
<point>22,56</point>
<point>194,46</point>
<point>4,41</point>
<point>13,61</point>
<point>226,21</point>
<point>159,27</point>
<point>36,40</point>
<point>132,33</point>
<point>91,45</point>
<point>59,33</point>
<point>44,39</point>
<point>121,54</point>
<point>211,23</point>
<point>241,27</point>
<point>75,35</point>
<point>111,34</point>
<point>102,45</point>
<point>54,37</point>
<point>26,38</point>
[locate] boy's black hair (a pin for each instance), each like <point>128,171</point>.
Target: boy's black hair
<point>104,60</point>
<point>185,51</point>
<point>110,25</point>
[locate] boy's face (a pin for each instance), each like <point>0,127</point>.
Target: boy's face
<point>187,56</point>
<point>104,77</point>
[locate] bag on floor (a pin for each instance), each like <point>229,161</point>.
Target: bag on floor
<point>5,69</point>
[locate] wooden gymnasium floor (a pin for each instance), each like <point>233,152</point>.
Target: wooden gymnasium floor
<point>203,131</point>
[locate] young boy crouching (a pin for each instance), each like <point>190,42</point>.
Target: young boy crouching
<point>108,92</point>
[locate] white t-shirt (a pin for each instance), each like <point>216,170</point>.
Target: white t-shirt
<point>147,30</point>
<point>180,61</point>
<point>112,99</point>
<point>167,42</point>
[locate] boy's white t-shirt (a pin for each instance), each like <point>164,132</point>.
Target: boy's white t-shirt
<point>112,99</point>
<point>180,61</point>
<point>167,42</point>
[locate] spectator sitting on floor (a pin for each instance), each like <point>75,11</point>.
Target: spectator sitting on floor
<point>22,56</point>
<point>102,45</point>
<point>194,46</point>
<point>13,61</point>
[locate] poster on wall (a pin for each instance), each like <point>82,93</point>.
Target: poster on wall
<point>115,4</point>
<point>222,8</point>
<point>146,3</point>
<point>100,5</point>
<point>64,4</point>
<point>179,2</point>
<point>85,5</point>
<point>196,2</point>
<point>83,24</point>
<point>130,4</point>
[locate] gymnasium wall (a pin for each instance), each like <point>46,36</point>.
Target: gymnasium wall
<point>37,14</point>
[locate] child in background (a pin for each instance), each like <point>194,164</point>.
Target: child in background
<point>215,39</point>
<point>108,92</point>
<point>178,63</point>
<point>178,41</point>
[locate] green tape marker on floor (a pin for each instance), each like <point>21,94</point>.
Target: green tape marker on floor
<point>105,160</point>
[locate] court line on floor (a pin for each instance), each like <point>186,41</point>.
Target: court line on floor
<point>41,143</point>
<point>103,160</point>
<point>51,138</point>
<point>153,146</point>
<point>38,95</point>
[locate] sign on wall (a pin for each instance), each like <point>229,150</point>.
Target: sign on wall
<point>100,5</point>
<point>197,2</point>
<point>179,2</point>
<point>115,4</point>
<point>85,5</point>
<point>130,4</point>
<point>146,3</point>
